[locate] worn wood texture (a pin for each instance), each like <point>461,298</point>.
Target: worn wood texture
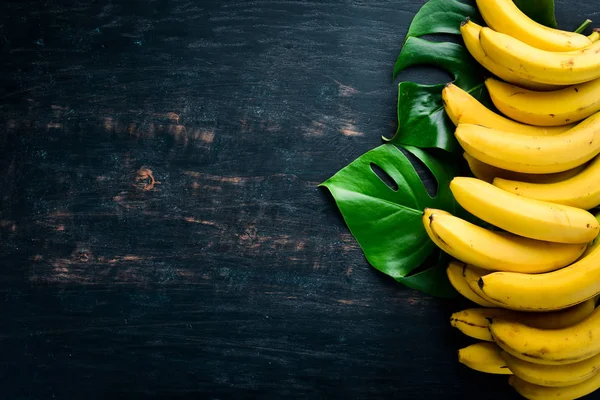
<point>161,232</point>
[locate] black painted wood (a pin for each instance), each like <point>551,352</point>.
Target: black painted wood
<point>161,232</point>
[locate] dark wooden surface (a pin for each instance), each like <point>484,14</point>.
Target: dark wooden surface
<point>161,232</point>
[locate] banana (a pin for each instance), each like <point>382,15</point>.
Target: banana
<point>474,322</point>
<point>549,346</point>
<point>487,172</point>
<point>499,251</point>
<point>541,66</point>
<point>595,36</point>
<point>594,243</point>
<point>580,191</point>
<point>457,280</point>
<point>472,275</point>
<point>483,357</point>
<point>555,108</point>
<point>544,292</point>
<point>470,34</point>
<point>522,216</point>
<point>427,213</point>
<point>532,154</point>
<point>537,392</point>
<point>504,16</point>
<point>462,108</point>
<point>553,375</point>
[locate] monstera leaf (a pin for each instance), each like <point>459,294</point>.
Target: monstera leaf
<point>386,221</point>
<point>422,121</point>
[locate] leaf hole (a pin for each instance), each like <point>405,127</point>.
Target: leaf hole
<point>384,176</point>
<point>429,180</point>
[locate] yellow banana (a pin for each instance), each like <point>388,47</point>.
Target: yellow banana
<point>543,292</point>
<point>483,357</point>
<point>594,37</point>
<point>555,108</point>
<point>474,322</point>
<point>549,346</point>
<point>462,108</point>
<point>470,33</point>
<point>537,392</point>
<point>499,251</point>
<point>594,243</point>
<point>457,280</point>
<point>487,173</point>
<point>582,190</point>
<point>427,213</point>
<point>553,375</point>
<point>531,154</point>
<point>542,66</point>
<point>522,216</point>
<point>472,275</point>
<point>504,16</point>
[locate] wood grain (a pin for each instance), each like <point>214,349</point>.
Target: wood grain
<point>161,230</point>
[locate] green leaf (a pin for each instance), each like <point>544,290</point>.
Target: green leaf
<point>386,223</point>
<point>433,280</point>
<point>441,16</point>
<point>541,11</point>
<point>422,121</point>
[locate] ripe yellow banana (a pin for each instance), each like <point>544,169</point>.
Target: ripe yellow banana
<point>582,190</point>
<point>483,357</point>
<point>531,154</point>
<point>474,322</point>
<point>427,213</point>
<point>553,375</point>
<point>595,36</point>
<point>462,108</point>
<point>472,275</point>
<point>549,346</point>
<point>504,16</point>
<point>487,173</point>
<point>543,292</point>
<point>522,216</point>
<point>457,280</point>
<point>470,33</point>
<point>537,392</point>
<point>555,108</point>
<point>542,66</point>
<point>499,251</point>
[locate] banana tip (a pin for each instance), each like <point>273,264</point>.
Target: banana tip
<point>465,21</point>
<point>480,283</point>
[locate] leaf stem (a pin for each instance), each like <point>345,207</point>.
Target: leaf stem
<point>583,26</point>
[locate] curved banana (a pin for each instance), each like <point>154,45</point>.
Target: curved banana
<point>522,216</point>
<point>549,346</point>
<point>582,190</point>
<point>427,213</point>
<point>474,322</point>
<point>457,280</point>
<point>487,172</point>
<point>531,154</point>
<point>541,66</point>
<point>555,108</point>
<point>553,375</point>
<point>483,357</point>
<point>594,243</point>
<point>462,108</point>
<point>472,275</point>
<point>537,392</point>
<point>499,251</point>
<point>504,16</point>
<point>594,37</point>
<point>543,292</point>
<point>470,34</point>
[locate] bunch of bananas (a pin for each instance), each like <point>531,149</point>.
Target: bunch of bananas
<point>536,271</point>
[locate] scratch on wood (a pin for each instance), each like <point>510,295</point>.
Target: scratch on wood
<point>345,90</point>
<point>146,179</point>
<point>349,129</point>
